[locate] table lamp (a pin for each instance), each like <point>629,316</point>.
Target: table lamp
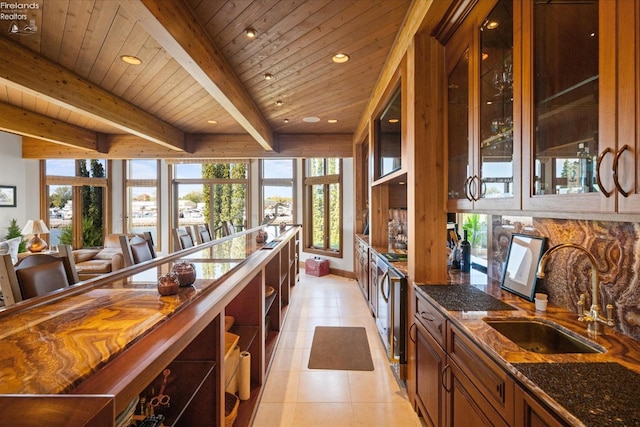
<point>35,227</point>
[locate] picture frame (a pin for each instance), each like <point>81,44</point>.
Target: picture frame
<point>519,274</point>
<point>8,196</point>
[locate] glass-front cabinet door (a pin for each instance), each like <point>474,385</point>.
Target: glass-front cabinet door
<point>496,113</point>
<point>569,123</point>
<point>480,115</point>
<point>459,152</point>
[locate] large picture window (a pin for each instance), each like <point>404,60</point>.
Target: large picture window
<point>211,193</point>
<point>323,206</point>
<point>142,201</point>
<point>76,198</point>
<point>277,184</point>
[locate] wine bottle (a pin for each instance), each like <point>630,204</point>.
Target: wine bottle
<point>465,246</point>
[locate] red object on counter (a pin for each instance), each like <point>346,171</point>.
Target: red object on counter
<point>316,267</point>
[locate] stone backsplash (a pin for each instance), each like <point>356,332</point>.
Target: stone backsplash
<point>615,245</point>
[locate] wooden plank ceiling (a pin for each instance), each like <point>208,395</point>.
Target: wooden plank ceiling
<point>64,87</point>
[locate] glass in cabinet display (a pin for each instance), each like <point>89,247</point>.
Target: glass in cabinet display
<point>565,96</point>
<point>458,129</point>
<point>496,102</point>
<point>389,137</point>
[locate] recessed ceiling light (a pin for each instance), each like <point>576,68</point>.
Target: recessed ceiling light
<point>286,120</point>
<point>213,122</point>
<point>332,121</point>
<point>340,58</point>
<point>130,59</point>
<point>311,119</point>
<point>250,33</point>
<point>267,76</point>
<point>279,102</point>
<point>492,25</point>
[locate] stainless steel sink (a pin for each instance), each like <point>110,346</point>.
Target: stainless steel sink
<point>541,336</point>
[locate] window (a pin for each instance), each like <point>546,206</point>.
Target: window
<point>211,193</point>
<point>142,201</point>
<point>76,195</point>
<point>277,185</point>
<point>323,206</point>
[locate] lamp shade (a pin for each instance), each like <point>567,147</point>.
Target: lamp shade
<point>35,227</point>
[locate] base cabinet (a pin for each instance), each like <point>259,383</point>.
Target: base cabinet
<point>530,413</point>
<point>457,384</point>
<point>431,361</point>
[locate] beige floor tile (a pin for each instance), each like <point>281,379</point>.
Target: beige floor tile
<point>324,415</point>
<point>287,359</point>
<point>275,415</point>
<point>320,385</point>
<point>398,414</point>
<point>281,387</point>
<point>295,339</point>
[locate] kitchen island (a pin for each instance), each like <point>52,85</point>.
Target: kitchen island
<point>94,351</point>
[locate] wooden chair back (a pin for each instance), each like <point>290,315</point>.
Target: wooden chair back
<point>203,233</point>
<point>37,274</point>
<point>182,238</point>
<point>138,248</point>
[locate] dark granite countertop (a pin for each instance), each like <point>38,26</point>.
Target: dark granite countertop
<point>599,389</point>
<point>599,394</point>
<point>463,297</point>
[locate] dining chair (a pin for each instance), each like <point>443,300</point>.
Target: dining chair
<point>203,233</point>
<point>182,238</point>
<point>227,228</point>
<point>137,248</point>
<point>37,274</point>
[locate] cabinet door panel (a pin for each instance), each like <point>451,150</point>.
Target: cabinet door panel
<point>430,364</point>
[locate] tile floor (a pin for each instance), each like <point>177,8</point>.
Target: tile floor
<point>297,396</point>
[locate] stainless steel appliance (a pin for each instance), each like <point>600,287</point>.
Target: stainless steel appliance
<point>391,318</point>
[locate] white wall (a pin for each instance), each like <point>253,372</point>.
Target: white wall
<point>24,174</point>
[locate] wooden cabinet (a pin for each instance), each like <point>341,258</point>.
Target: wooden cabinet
<point>483,111</point>
<point>530,413</point>
<point>458,384</point>
<point>431,364</point>
<point>373,282</point>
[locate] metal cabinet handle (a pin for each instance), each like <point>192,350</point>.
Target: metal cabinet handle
<point>443,378</point>
<point>598,163</point>
<point>467,188</point>
<point>411,328</point>
<point>615,170</point>
<point>423,315</point>
<point>383,281</point>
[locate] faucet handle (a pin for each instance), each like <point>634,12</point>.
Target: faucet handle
<point>610,321</point>
<point>581,303</point>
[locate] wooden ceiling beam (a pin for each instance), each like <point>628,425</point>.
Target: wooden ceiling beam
<point>27,123</point>
<point>28,71</point>
<point>204,147</point>
<point>174,26</point>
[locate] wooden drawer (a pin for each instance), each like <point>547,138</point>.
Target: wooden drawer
<point>493,382</point>
<point>431,319</point>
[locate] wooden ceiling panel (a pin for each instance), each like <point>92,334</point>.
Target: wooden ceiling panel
<point>295,42</point>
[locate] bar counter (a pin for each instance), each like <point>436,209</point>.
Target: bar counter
<point>114,335</point>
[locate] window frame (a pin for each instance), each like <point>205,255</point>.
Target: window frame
<point>141,183</point>
<point>278,182</point>
<point>76,183</point>
<point>324,180</point>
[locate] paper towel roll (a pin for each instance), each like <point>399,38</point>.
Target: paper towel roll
<point>244,382</point>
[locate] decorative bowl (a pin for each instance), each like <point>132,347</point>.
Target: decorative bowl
<point>185,271</point>
<point>168,284</point>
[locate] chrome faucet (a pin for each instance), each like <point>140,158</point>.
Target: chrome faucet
<point>593,318</point>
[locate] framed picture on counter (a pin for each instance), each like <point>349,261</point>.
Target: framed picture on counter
<point>7,196</point>
<point>519,275</point>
